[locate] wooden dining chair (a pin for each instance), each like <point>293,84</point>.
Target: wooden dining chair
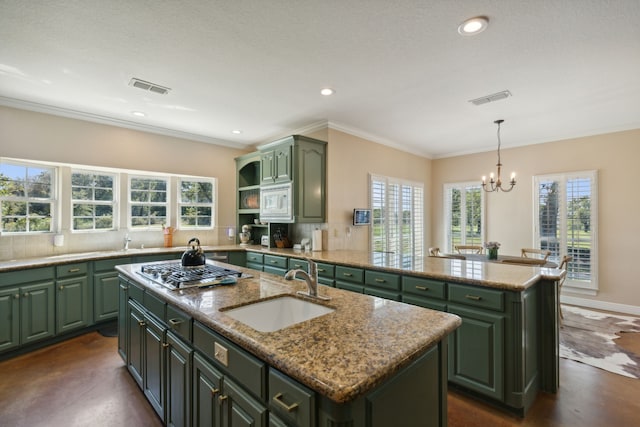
<point>434,251</point>
<point>563,266</point>
<point>535,253</point>
<point>472,249</point>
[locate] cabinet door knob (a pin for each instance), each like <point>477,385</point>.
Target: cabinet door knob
<point>141,323</point>
<point>222,398</point>
<point>215,391</point>
<point>61,287</point>
<point>26,294</point>
<point>16,296</point>
<point>165,345</point>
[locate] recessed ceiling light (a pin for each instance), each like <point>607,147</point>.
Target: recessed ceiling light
<point>139,114</point>
<point>473,26</point>
<point>236,131</point>
<point>327,91</point>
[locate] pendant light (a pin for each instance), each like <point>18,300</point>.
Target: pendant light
<point>495,183</point>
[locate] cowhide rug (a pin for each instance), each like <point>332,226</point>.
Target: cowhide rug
<point>589,336</point>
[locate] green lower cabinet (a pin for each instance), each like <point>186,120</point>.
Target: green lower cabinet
<point>219,401</point>
<point>37,312</point>
<point>123,318</point>
<point>239,409</point>
<point>179,357</point>
<point>9,318</point>
<point>207,384</point>
<point>105,296</point>
<point>274,421</point>
<point>72,304</point>
<point>135,343</point>
<point>153,378</point>
<point>238,258</point>
<point>425,302</point>
<point>476,351</point>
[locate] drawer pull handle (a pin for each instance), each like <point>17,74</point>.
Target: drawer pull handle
<point>321,270</point>
<point>175,322</point>
<point>289,408</point>
<point>422,288</point>
<point>124,288</point>
<point>74,270</point>
<point>473,297</point>
<point>273,262</point>
<point>347,274</point>
<point>380,280</point>
<point>297,266</point>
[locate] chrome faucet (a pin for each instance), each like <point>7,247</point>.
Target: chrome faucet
<point>311,278</point>
<point>127,239</point>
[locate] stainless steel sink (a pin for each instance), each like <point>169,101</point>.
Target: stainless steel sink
<point>278,313</point>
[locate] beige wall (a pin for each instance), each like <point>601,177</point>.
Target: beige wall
<point>350,160</point>
<point>510,215</point>
<point>36,136</point>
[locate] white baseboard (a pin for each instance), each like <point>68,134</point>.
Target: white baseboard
<point>601,305</point>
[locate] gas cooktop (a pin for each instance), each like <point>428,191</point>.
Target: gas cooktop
<point>173,275</point>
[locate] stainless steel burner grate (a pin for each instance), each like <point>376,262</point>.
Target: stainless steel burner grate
<point>174,275</point>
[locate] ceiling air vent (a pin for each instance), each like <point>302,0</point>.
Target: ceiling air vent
<point>151,87</point>
<point>490,98</point>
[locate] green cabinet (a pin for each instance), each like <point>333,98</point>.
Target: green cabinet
<point>427,293</point>
<point>383,285</point>
<point>275,264</point>
<point>326,274</point>
<point>106,288</point>
<point>27,307</point>
<point>219,401</point>
<point>153,366</point>
<point>350,279</point>
<point>179,357</point>
<point>275,162</point>
<point>72,299</point>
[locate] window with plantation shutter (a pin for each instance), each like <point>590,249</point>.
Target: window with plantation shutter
<point>398,218</point>
<point>566,224</point>
<point>464,215</point>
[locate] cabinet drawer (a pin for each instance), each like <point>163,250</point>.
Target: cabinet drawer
<point>350,287</point>
<point>275,270</point>
<point>424,287</point>
<point>248,370</point>
<point>296,263</point>
<point>291,401</point>
<point>254,257</point>
<point>326,270</point>
<point>25,276</point>
<point>255,266</point>
<point>275,261</point>
<point>179,322</point>
<point>154,305</point>
<point>70,270</point>
<point>109,264</point>
<point>476,296</point>
<point>349,274</point>
<point>382,280</point>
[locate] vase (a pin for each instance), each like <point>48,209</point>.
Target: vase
<point>492,253</point>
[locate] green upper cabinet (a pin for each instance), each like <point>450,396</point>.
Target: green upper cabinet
<point>303,162</point>
<point>275,162</point>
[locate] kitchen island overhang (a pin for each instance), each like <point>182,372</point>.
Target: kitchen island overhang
<point>344,356</point>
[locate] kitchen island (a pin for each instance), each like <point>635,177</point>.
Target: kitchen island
<point>371,362</point>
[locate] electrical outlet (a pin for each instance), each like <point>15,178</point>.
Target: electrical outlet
<point>221,354</point>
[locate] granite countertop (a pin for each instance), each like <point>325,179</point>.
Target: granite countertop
<point>496,275</point>
<point>341,355</point>
<point>489,274</point>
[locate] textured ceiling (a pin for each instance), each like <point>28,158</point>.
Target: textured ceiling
<point>403,75</point>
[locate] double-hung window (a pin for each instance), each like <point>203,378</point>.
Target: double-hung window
<point>92,200</point>
<point>464,214</point>
<point>398,217</point>
<point>27,197</point>
<point>148,202</point>
<point>195,203</point>
<point>566,224</point>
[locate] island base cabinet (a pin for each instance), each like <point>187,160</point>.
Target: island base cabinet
<point>134,345</point>
<point>219,401</point>
<point>154,364</point>
<point>178,382</point>
<point>476,351</point>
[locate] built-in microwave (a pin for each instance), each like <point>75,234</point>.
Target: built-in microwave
<point>276,204</point>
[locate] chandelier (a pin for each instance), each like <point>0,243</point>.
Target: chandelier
<point>495,183</point>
